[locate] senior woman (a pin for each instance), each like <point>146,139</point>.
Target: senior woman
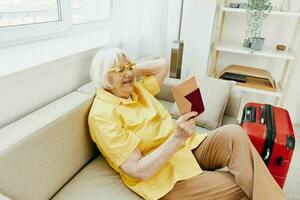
<point>159,159</point>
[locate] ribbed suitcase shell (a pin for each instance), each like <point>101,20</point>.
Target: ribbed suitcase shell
<point>284,134</point>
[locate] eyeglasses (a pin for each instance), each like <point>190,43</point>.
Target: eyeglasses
<point>122,69</point>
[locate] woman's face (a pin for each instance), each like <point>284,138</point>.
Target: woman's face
<point>122,79</point>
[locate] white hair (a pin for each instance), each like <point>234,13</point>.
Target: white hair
<point>102,62</point>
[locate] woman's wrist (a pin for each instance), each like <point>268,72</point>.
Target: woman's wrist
<point>177,140</point>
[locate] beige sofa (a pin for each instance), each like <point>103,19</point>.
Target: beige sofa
<point>49,154</point>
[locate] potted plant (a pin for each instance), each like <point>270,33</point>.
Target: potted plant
<point>257,12</point>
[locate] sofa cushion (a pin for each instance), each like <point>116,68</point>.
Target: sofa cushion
<point>215,94</point>
<point>96,181</point>
<point>201,129</point>
<point>167,104</point>
<point>234,103</point>
<point>229,120</point>
<point>42,151</point>
<point>89,89</point>
<point>165,89</point>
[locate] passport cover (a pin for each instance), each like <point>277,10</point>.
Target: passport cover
<point>188,97</point>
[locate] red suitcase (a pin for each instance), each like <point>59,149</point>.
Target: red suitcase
<point>271,132</point>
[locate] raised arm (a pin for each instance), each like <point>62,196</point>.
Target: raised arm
<point>158,68</point>
<point>144,167</point>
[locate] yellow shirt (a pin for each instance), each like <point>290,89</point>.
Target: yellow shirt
<point>118,126</point>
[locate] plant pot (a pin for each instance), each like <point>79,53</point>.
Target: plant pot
<point>257,43</point>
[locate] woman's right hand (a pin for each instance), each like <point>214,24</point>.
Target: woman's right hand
<point>185,126</point>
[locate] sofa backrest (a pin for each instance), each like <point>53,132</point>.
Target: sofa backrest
<point>42,151</point>
<point>165,94</point>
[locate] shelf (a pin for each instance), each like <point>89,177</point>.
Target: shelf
<point>234,47</point>
<point>242,87</point>
<point>277,93</point>
<point>274,12</point>
<point>256,80</point>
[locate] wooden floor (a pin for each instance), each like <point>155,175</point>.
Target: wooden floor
<point>292,185</point>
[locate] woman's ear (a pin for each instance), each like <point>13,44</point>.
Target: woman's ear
<point>109,80</point>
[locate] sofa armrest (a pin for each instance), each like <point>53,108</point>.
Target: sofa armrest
<point>46,148</point>
<point>165,89</point>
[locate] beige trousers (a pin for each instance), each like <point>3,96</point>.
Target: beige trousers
<point>247,176</point>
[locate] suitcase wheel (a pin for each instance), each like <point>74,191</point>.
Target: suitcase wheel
<point>279,160</point>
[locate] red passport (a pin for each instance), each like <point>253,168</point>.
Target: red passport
<point>188,96</point>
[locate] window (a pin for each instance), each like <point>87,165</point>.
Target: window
<point>84,11</point>
<point>27,20</point>
<point>20,12</point>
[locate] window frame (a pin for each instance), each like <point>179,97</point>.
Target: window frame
<point>20,34</point>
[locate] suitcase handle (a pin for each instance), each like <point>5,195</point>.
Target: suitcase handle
<point>249,114</point>
<point>270,134</point>
<point>267,155</point>
<point>262,119</point>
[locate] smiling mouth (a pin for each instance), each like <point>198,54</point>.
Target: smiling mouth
<point>128,83</point>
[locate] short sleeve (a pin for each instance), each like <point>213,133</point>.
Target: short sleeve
<point>194,141</point>
<point>150,83</point>
<point>114,141</point>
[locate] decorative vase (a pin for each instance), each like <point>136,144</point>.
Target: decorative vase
<point>257,43</point>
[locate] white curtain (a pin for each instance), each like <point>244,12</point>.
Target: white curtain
<point>140,27</point>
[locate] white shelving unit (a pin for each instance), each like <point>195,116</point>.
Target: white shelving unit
<point>219,45</point>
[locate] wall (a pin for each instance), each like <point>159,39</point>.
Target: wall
<point>26,91</point>
<point>196,30</point>
<point>292,100</point>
